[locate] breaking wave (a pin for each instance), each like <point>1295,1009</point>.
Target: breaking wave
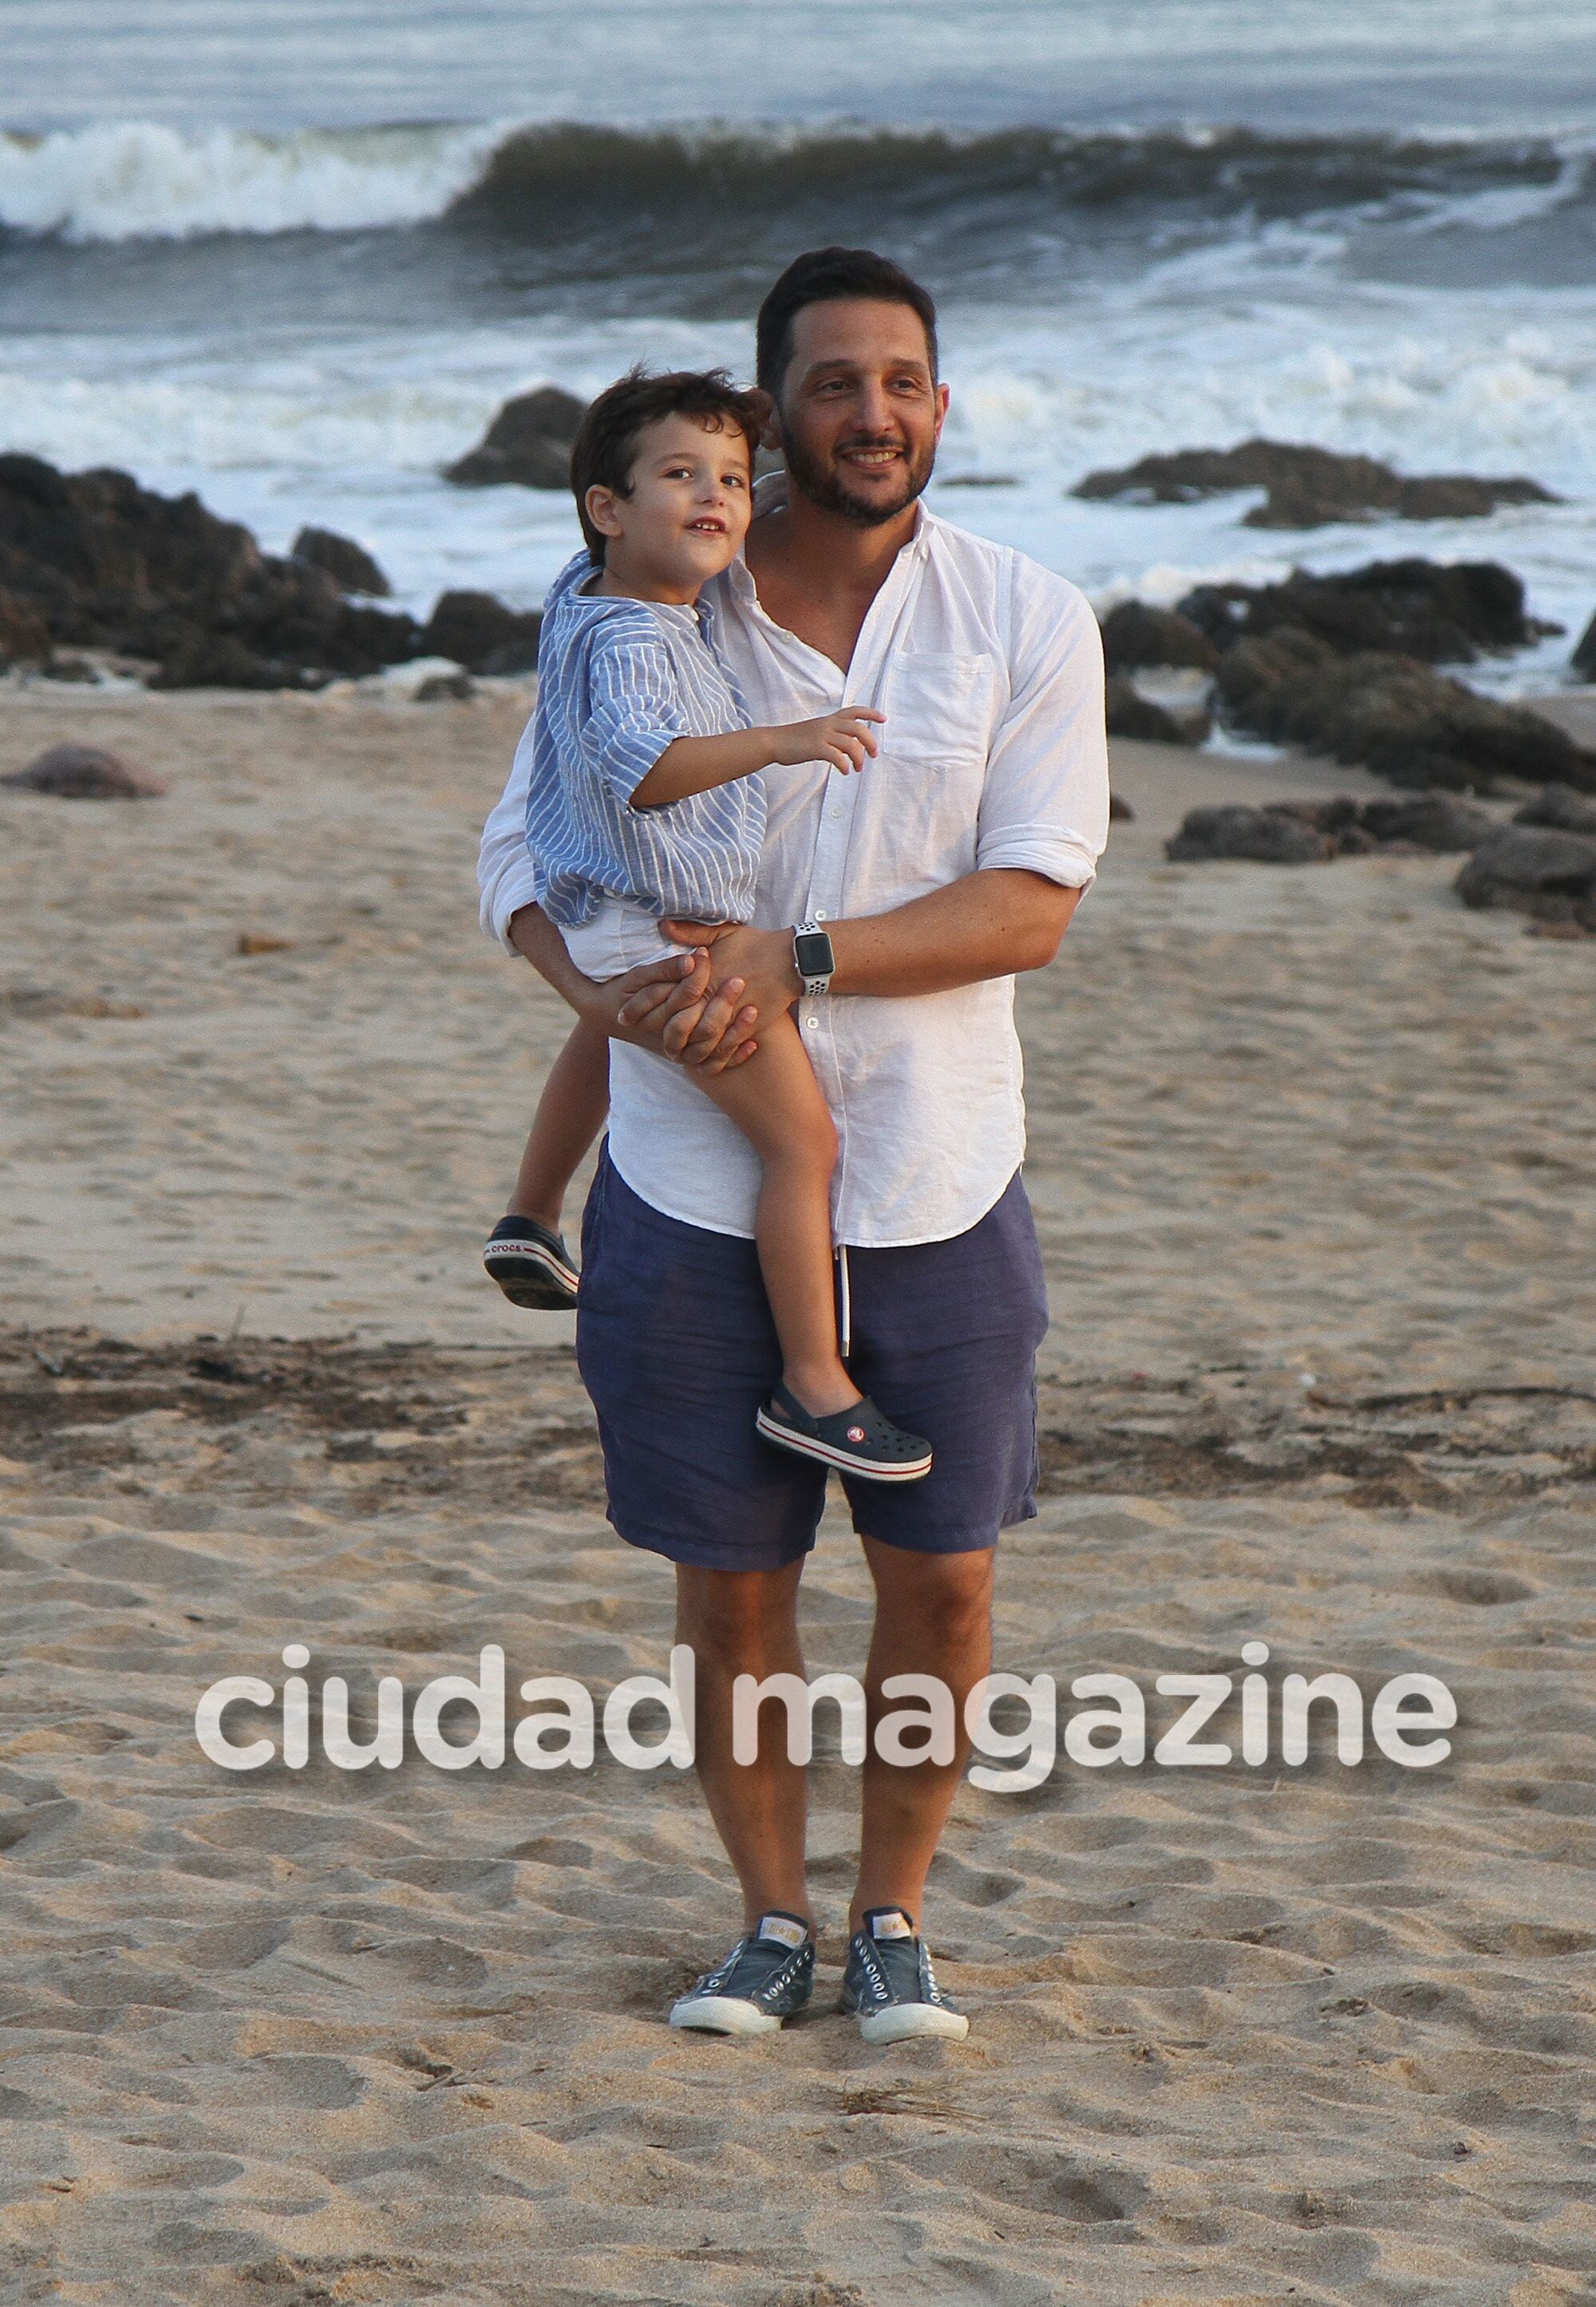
<point>132,180</point>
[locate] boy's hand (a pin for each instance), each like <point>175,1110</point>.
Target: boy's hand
<point>846,738</point>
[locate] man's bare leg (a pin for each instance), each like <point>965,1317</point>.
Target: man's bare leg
<point>933,1615</point>
<point>746,1622</point>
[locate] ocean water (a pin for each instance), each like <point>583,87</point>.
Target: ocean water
<point>294,255</point>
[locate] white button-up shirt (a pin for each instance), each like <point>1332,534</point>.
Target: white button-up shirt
<point>989,669</point>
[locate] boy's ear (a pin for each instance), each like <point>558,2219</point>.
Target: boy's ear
<point>600,505</point>
<point>764,409</point>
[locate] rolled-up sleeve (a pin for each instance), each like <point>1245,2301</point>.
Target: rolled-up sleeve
<point>634,708</point>
<point>1044,807</point>
<point>505,879</point>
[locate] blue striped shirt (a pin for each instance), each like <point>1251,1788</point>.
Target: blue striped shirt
<point>617,681</point>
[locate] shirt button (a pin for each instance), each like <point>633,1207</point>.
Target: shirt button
<point>811,1022</point>
<point>819,913</point>
<point>834,810</point>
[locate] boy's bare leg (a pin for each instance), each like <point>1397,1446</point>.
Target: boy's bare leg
<point>746,1622</point>
<point>776,1102</point>
<point>571,1113</point>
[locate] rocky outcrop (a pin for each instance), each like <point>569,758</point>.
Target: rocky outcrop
<point>1306,832</point>
<point>1308,487</point>
<point>1583,659</point>
<point>1447,613</point>
<point>103,563</point>
<point>1276,836</point>
<point>93,561</point>
<point>1397,717</point>
<point>350,565</point>
<point>1537,870</point>
<point>528,441</point>
<point>86,773</point>
<point>482,634</point>
<point>1560,807</point>
<point>1130,714</point>
<point>1134,635</point>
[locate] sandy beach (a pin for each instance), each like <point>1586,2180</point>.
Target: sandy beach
<point>1312,1153</point>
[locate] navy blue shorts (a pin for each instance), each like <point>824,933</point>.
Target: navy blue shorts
<point>676,1349</point>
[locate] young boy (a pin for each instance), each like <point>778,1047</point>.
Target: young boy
<point>646,805</point>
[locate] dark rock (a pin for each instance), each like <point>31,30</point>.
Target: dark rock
<point>1433,822</point>
<point>25,636</point>
<point>1136,635</point>
<point>1120,812</point>
<point>350,565</point>
<point>528,441</point>
<point>1131,714</point>
<point>86,773</point>
<point>1266,836</point>
<point>444,688</point>
<point>1397,717</point>
<point>1308,486</point>
<point>1537,870</point>
<point>1583,659</point>
<point>104,564</point>
<point>481,633</point>
<point>1445,613</point>
<point>1561,807</point>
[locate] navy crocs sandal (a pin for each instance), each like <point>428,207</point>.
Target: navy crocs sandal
<point>531,1265</point>
<point>856,1441</point>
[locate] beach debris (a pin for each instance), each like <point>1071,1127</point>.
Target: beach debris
<point>1120,812</point>
<point>1562,807</point>
<point>86,773</point>
<point>1307,487</point>
<point>1535,869</point>
<point>479,632</point>
<point>350,565</point>
<point>1583,659</point>
<point>251,941</point>
<point>1310,832</point>
<point>445,688</point>
<point>528,443</point>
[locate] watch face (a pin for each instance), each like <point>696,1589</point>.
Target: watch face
<point>813,954</point>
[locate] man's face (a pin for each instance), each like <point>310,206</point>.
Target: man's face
<point>859,410</point>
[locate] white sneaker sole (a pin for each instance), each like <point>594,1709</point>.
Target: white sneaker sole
<point>540,1279</point>
<point>722,2014</point>
<point>787,1438</point>
<point>905,2021</point>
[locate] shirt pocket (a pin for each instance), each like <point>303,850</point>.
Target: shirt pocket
<point>932,772</point>
<point>939,707</point>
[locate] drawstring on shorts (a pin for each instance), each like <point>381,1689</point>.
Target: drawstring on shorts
<point>845,1304</point>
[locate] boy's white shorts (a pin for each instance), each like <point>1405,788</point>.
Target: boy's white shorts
<point>617,937</point>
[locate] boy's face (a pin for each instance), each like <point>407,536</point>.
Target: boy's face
<point>687,512</point>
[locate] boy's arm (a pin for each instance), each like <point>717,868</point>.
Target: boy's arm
<point>696,765</point>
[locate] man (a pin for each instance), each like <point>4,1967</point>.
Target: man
<point>893,909</point>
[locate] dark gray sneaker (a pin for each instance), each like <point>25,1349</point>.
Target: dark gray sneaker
<point>889,1984</point>
<point>531,1265</point>
<point>767,1977</point>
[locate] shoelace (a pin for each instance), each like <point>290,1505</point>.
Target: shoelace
<point>751,1966</point>
<point>900,1961</point>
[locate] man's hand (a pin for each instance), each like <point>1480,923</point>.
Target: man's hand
<point>752,977</point>
<point>655,1007</point>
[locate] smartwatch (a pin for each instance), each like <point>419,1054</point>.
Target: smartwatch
<point>812,957</point>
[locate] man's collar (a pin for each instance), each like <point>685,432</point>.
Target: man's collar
<point>770,493</point>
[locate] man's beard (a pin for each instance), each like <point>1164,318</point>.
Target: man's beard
<point>823,487</point>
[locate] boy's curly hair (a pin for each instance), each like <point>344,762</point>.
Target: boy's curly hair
<point>605,450</point>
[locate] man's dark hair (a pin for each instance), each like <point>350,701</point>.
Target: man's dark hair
<point>606,447</point>
<point>821,278</point>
